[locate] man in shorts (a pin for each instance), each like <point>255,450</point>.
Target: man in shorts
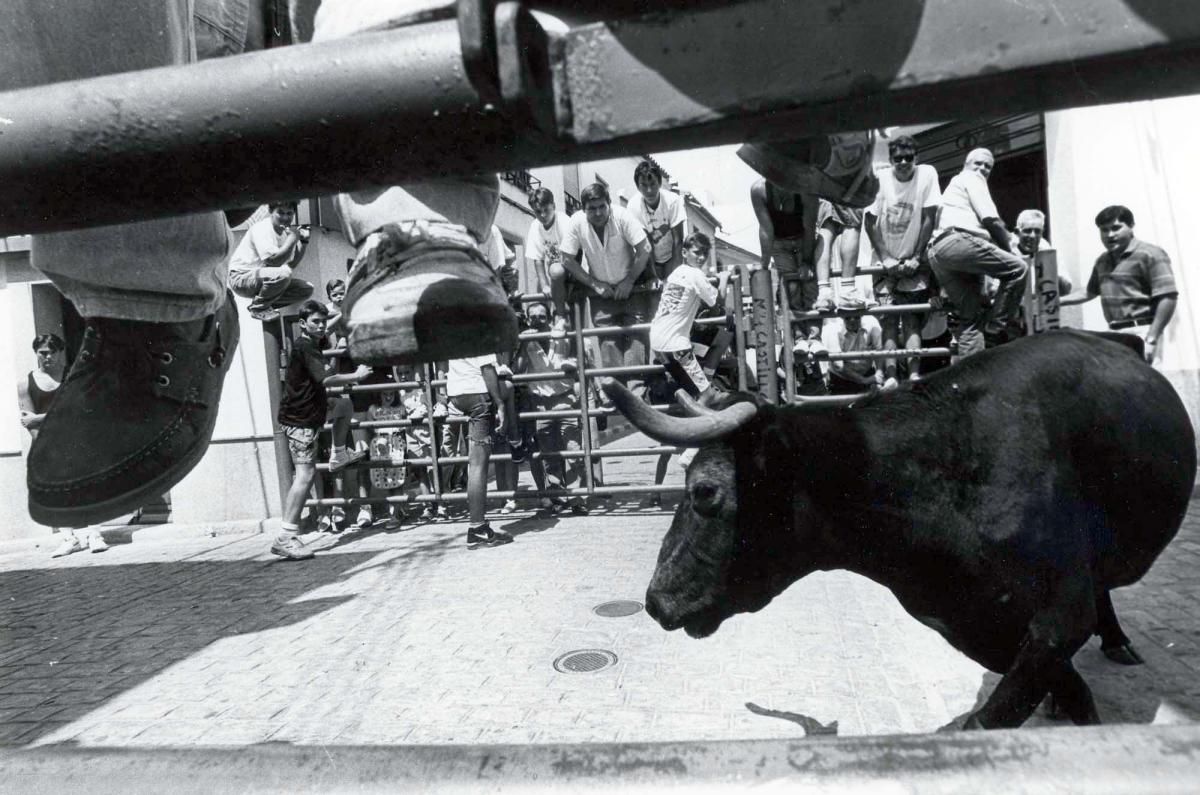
<point>301,416</point>
<point>474,388</point>
<point>899,225</point>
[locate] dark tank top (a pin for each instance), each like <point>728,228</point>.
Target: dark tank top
<point>39,397</point>
<point>788,225</point>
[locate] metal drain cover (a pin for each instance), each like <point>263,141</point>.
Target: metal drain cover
<point>585,661</point>
<point>618,609</point>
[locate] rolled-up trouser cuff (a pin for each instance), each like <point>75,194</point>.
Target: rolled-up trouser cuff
<point>92,300</point>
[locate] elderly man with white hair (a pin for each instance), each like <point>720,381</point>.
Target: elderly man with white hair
<point>971,243</point>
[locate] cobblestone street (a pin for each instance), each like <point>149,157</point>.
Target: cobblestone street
<point>406,637</point>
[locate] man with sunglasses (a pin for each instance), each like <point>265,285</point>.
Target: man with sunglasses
<point>899,224</point>
<point>970,244</point>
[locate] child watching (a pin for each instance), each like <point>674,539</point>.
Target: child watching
<point>670,332</point>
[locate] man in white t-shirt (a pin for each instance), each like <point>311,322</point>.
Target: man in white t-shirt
<point>899,225</point>
<point>542,249</point>
<point>615,249</point>
<point>971,243</point>
<point>851,334</point>
<point>671,330</point>
<point>261,266</point>
<point>661,214</point>
<point>474,388</point>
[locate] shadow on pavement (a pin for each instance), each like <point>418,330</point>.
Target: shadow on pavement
<point>74,638</point>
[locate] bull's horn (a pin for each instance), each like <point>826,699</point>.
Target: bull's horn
<point>685,431</point>
<point>693,407</point>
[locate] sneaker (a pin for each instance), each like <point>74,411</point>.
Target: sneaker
<point>485,536</point>
<point>824,302</point>
<point>835,167</point>
<point>421,291</point>
<point>365,517</point>
<point>853,301</point>
<point>558,328</point>
<point>338,463</point>
<point>509,507</point>
<point>326,525</point>
<point>393,521</point>
<point>889,384</point>
<point>519,450</point>
<point>133,416</point>
<point>96,542</point>
<point>264,313</point>
<point>291,548</point>
<point>577,506</point>
<point>69,546</point>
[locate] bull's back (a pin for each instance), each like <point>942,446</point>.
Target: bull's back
<point>1117,426</point>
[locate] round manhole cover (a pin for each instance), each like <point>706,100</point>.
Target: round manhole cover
<point>585,661</point>
<point>618,609</point>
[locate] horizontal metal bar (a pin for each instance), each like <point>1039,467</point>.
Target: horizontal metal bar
<point>402,499</point>
<point>856,356</point>
<point>397,105</point>
<point>876,311</point>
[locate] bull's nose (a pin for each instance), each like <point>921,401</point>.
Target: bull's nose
<point>657,607</point>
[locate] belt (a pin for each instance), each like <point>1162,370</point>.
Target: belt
<point>1117,325</point>
<point>945,233</point>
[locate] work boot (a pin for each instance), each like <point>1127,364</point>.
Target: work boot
<point>422,291</point>
<point>133,416</point>
<point>834,167</point>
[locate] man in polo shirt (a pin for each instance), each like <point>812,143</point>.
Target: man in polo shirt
<point>969,244</point>
<point>1133,279</point>
<point>615,249</point>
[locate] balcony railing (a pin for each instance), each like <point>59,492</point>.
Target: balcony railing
<point>522,179</point>
<point>571,204</point>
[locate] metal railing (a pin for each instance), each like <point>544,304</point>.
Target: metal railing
<point>587,409</point>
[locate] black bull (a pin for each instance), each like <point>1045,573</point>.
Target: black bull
<point>999,500</point>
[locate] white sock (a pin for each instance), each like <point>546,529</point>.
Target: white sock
<point>847,284</point>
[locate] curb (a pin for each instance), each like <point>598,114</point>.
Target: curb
<point>124,534</point>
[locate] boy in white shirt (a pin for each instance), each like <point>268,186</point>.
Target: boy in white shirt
<point>661,214</point>
<point>670,332</point>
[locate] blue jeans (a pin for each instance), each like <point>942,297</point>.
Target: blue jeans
<point>961,261</point>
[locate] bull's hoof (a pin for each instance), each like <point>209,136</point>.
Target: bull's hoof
<point>1123,655</point>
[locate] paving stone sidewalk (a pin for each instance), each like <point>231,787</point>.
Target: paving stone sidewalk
<point>406,637</point>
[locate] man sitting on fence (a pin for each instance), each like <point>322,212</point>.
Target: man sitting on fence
<point>262,264</point>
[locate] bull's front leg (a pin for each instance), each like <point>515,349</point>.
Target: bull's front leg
<point>1043,664</point>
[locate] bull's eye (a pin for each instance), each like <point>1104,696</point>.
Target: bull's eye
<point>706,498</point>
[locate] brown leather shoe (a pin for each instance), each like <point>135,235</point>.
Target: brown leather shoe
<point>133,416</point>
<point>420,292</point>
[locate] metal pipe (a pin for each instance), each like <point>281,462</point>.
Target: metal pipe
<point>739,325</point>
<point>762,319</point>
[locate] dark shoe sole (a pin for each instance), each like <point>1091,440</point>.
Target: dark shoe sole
<point>130,501</point>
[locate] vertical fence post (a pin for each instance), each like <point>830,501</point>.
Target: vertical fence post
<point>275,352</point>
<point>762,318</point>
<point>585,419</point>
<point>435,439</point>
<point>739,327</point>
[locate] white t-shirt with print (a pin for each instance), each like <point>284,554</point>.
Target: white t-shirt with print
<point>682,293</point>
<point>659,222</point>
<point>898,207</point>
<point>612,260</point>
<point>542,243</point>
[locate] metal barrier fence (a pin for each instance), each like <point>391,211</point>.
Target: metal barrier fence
<point>585,412</point>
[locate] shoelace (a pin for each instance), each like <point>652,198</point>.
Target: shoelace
<point>113,353</point>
